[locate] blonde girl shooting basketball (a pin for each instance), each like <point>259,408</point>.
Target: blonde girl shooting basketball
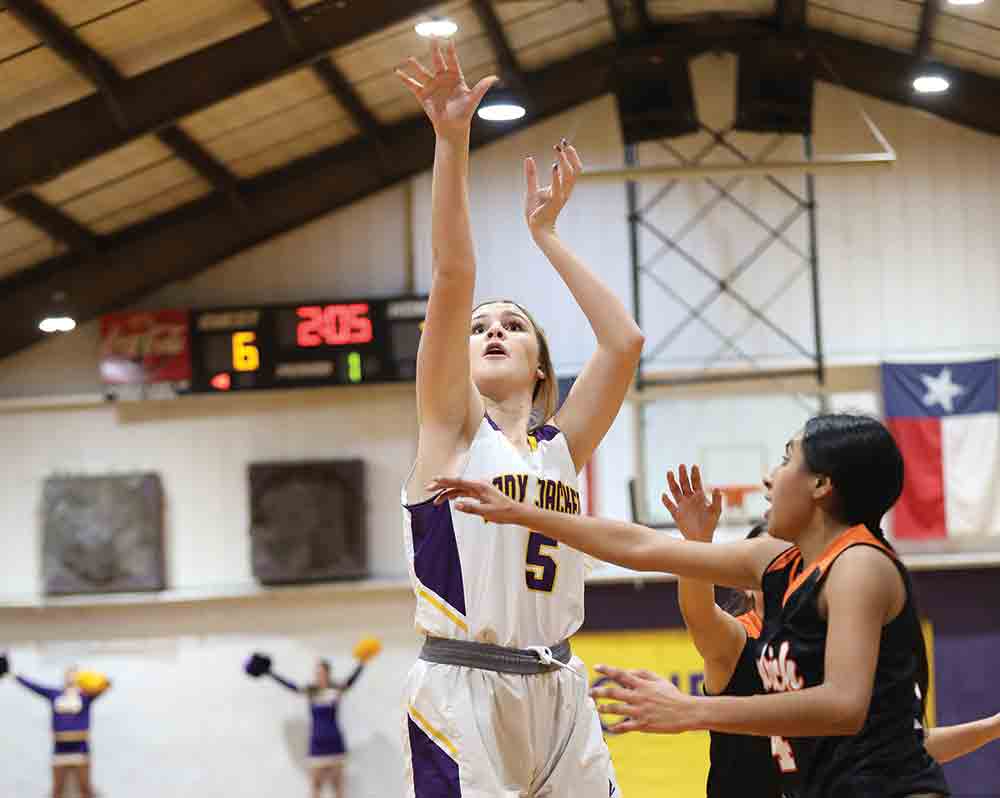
<point>496,706</point>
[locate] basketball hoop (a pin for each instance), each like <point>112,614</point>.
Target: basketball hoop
<point>733,497</point>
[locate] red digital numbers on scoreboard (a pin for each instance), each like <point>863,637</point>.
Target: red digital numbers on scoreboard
<point>333,325</point>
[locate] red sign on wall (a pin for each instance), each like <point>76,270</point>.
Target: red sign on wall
<point>145,347</point>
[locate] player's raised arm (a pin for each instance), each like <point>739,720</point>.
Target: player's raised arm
<point>598,393</point>
<point>447,400</point>
<point>629,545</point>
<point>717,635</point>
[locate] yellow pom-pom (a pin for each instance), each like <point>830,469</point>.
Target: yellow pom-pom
<point>91,682</point>
<point>367,648</point>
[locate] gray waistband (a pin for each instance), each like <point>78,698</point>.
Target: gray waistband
<point>488,657</point>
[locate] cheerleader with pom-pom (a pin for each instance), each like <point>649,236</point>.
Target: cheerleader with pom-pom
<point>327,752</point>
<point>70,724</point>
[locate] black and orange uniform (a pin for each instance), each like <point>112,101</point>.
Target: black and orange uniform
<point>887,758</point>
<point>741,764</point>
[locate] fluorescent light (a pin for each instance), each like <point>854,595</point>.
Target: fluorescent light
<point>56,324</point>
<point>436,28</point>
<point>501,112</point>
<point>930,84</point>
<point>964,2</point>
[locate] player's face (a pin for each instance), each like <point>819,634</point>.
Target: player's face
<point>69,677</point>
<point>322,675</point>
<point>503,350</point>
<point>790,489</point>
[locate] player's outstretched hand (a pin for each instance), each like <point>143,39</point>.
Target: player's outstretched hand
<point>543,204</point>
<point>645,701</point>
<point>695,515</point>
<point>476,498</point>
<point>442,91</point>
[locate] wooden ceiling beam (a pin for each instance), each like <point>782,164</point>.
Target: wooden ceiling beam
<point>929,14</point>
<point>325,69</point>
<point>510,69</point>
<point>61,226</point>
<point>63,40</point>
<point>791,15</point>
<point>38,149</point>
<point>617,16</point>
<point>97,69</point>
<point>643,17</point>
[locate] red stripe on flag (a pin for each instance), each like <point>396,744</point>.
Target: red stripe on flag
<point>919,513</point>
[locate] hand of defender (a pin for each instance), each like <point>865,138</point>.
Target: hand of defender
<point>694,514</point>
<point>479,498</point>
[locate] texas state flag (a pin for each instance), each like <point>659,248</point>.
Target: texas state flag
<point>945,419</point>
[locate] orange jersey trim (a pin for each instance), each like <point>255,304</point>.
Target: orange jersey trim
<point>752,623</point>
<point>786,557</point>
<point>852,537</point>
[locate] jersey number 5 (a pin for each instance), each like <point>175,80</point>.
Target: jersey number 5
<point>782,752</point>
<point>541,568</point>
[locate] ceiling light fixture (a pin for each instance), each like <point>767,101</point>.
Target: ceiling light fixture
<point>500,105</point>
<point>436,28</point>
<point>930,84</point>
<point>54,324</point>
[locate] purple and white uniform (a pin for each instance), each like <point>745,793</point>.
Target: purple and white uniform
<point>70,721</point>
<point>326,743</point>
<point>478,733</point>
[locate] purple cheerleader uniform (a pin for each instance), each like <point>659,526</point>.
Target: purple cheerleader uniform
<point>326,743</point>
<point>70,721</point>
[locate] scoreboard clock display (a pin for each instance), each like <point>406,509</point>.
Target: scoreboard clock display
<point>306,345</point>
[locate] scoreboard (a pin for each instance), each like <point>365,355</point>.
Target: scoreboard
<point>305,345</point>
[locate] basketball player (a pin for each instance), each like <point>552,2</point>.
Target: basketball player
<point>841,647</point>
<point>727,641</point>
<point>727,644</point>
<point>70,731</point>
<point>496,705</point>
<point>327,752</point>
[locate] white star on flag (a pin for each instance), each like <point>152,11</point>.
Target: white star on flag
<point>941,390</point>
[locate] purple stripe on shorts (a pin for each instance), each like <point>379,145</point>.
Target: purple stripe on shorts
<point>435,552</point>
<point>435,774</point>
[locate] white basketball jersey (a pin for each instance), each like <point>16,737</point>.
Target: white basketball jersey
<point>499,583</point>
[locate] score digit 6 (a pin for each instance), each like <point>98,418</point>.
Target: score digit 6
<point>246,356</point>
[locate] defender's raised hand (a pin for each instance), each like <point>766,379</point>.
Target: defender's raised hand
<point>442,91</point>
<point>694,514</point>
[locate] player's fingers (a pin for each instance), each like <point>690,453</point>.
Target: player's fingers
<point>716,503</point>
<point>440,65</point>
<point>574,156</point>
<point>682,476</point>
<point>627,725</point>
<point>675,489</point>
<point>615,709</point>
<point>696,479</point>
<point>618,675</point>
<point>414,86</point>
<point>671,507</point>
<point>416,69</point>
<point>612,692</point>
<point>451,59</point>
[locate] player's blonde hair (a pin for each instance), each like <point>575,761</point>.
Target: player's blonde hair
<point>545,395</point>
